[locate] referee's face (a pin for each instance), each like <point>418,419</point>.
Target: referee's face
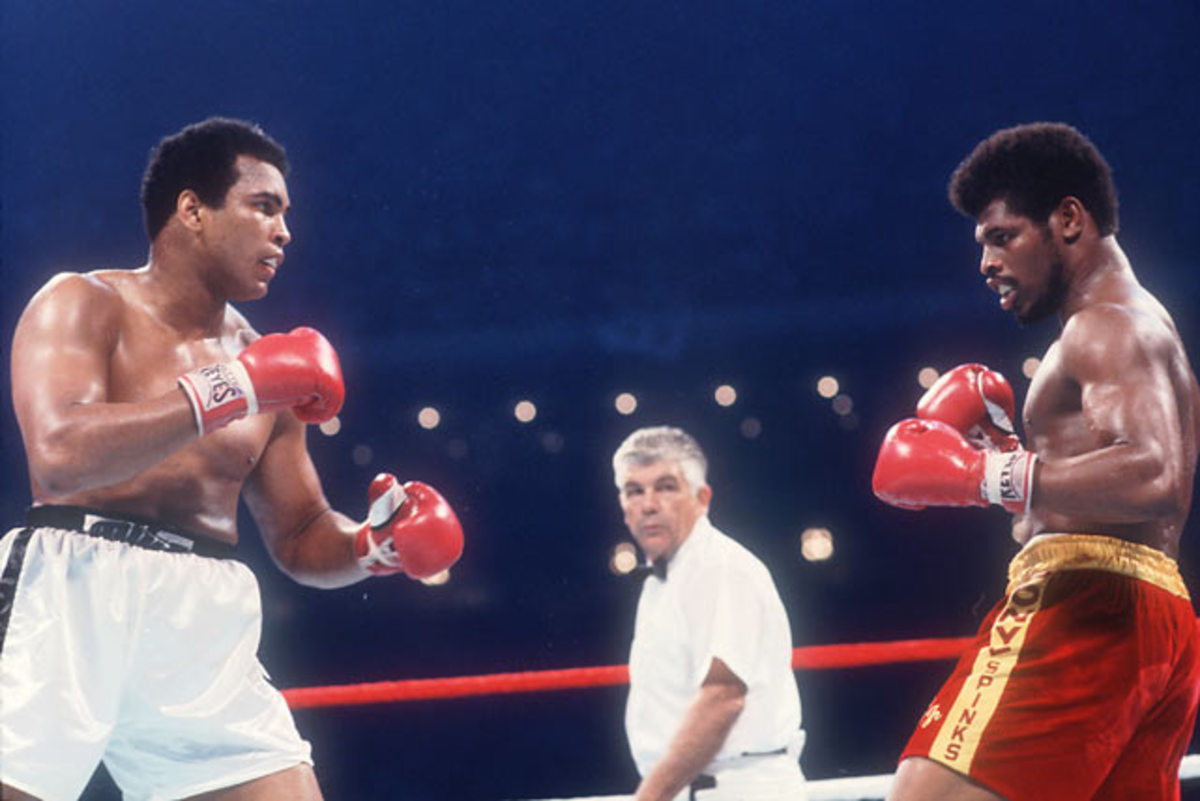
<point>661,507</point>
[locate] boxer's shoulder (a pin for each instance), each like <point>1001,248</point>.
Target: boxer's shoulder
<point>90,300</point>
<point>1103,336</point>
<point>100,287</point>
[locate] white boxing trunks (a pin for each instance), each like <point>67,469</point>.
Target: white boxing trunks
<point>143,658</point>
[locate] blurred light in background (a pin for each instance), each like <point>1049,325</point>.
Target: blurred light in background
<point>429,418</point>
<point>926,376</point>
<point>1030,366</point>
<point>437,579</point>
<point>362,455</point>
<point>457,449</point>
<point>751,428</point>
<point>842,405</point>
<point>553,442</point>
<point>525,411</point>
<point>626,403</point>
<point>624,559</point>
<point>331,427</point>
<point>816,544</point>
<point>827,386</point>
<point>725,395</point>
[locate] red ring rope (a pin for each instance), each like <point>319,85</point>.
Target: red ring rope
<point>815,657</point>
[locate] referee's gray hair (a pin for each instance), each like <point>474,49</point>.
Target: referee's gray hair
<point>647,446</point>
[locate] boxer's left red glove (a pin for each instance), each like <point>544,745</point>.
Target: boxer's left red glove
<point>410,529</point>
<point>928,463</point>
<point>297,370</point>
<point>977,401</point>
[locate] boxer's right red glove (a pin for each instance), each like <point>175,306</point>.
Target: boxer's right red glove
<point>410,529</point>
<point>928,463</point>
<point>299,370</point>
<point>976,401</point>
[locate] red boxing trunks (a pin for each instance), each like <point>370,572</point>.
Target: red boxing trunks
<point>1082,683</point>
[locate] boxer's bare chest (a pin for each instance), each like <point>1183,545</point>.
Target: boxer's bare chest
<point>146,363</point>
<point>1053,414</point>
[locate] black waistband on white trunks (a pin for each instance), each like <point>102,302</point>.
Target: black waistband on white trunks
<point>141,533</point>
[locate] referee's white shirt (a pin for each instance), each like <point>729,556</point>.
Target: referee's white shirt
<point>717,601</point>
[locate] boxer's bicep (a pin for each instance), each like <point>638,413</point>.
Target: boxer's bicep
<point>61,351</point>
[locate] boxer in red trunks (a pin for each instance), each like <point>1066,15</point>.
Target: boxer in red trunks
<point>1084,679</point>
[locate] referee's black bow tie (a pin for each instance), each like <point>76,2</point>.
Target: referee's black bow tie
<point>656,568</point>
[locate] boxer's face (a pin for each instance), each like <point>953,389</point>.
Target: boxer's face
<point>246,236</point>
<point>1021,262</point>
<point>661,507</point>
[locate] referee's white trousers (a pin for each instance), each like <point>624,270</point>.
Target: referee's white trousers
<point>758,778</point>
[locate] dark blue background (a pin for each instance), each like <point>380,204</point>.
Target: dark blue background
<point>563,201</point>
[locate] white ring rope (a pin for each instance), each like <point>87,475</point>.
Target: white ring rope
<point>873,788</point>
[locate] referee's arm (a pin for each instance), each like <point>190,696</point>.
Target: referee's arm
<point>716,707</point>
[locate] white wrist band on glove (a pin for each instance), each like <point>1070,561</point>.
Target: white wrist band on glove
<point>219,393</point>
<point>382,510</point>
<point>383,507</point>
<point>1008,480</point>
<point>379,554</point>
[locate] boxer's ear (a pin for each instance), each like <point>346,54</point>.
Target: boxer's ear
<point>1069,219</point>
<point>187,207</point>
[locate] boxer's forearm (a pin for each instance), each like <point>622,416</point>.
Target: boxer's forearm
<point>87,446</point>
<point>321,553</point>
<point>309,541</point>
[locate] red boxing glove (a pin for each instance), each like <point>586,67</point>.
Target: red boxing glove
<point>297,370</point>
<point>976,401</point>
<point>927,463</point>
<point>410,529</point>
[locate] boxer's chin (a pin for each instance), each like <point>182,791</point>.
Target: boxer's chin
<point>1051,299</point>
<point>255,291</point>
